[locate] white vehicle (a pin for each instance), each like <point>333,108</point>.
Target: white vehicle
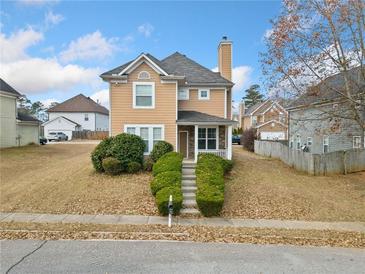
<point>57,136</point>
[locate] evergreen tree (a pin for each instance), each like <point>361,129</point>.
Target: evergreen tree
<point>253,95</point>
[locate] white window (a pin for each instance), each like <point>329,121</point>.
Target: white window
<point>150,134</point>
<point>325,144</point>
<point>143,95</point>
<point>207,138</point>
<point>309,141</point>
<point>254,120</point>
<point>183,94</point>
<point>204,94</point>
<point>298,142</point>
<point>86,117</point>
<point>356,142</point>
<point>144,75</point>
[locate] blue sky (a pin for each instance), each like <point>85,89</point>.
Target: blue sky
<point>54,50</point>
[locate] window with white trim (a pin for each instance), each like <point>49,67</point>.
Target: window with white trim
<point>309,141</point>
<point>143,95</point>
<point>325,144</point>
<point>183,94</point>
<point>86,117</point>
<point>356,141</point>
<point>143,75</point>
<point>207,138</point>
<point>150,134</point>
<point>203,94</point>
<point>298,142</point>
<point>254,120</point>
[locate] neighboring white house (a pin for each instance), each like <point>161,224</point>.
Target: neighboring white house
<point>17,128</point>
<point>76,114</point>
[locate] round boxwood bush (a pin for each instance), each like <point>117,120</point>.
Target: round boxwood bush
<point>160,149</point>
<point>133,167</point>
<point>165,179</point>
<point>101,151</point>
<point>162,200</point>
<point>127,148</point>
<point>111,166</point>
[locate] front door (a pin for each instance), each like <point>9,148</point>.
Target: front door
<point>183,143</point>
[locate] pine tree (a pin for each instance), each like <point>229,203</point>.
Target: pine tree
<point>253,95</point>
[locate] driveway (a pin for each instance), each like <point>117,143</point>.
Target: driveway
<point>29,256</point>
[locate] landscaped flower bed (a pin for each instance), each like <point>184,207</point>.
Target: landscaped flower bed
<point>210,172</point>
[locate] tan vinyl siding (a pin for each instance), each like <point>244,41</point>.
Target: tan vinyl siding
<point>225,60</point>
<point>213,106</point>
<point>122,111</point>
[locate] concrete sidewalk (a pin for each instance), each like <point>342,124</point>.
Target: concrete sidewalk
<point>139,219</point>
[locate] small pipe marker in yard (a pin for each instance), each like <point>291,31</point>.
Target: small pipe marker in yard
<point>170,207</point>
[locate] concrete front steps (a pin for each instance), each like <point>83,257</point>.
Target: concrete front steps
<point>188,187</point>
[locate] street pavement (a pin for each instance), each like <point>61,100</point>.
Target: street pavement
<point>66,256</point>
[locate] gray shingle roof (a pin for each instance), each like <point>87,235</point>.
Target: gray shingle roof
<point>179,65</point>
<point>79,103</point>
<point>250,109</point>
<point>24,117</point>
<point>4,86</point>
<point>199,117</point>
<point>326,90</point>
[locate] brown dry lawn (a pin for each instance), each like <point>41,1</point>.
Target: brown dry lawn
<point>261,187</point>
<point>60,179</point>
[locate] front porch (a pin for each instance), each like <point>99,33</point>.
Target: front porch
<point>195,136</point>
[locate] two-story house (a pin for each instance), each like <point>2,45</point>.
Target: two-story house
<point>269,118</point>
<point>75,114</point>
<point>325,119</point>
<point>174,99</point>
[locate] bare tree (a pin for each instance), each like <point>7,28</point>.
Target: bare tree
<point>313,40</point>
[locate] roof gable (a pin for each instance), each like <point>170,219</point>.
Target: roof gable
<point>4,86</point>
<point>144,58</point>
<point>79,103</point>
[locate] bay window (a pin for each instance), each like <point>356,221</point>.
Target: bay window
<point>143,95</point>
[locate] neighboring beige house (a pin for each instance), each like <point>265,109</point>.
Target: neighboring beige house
<point>269,118</point>
<point>174,99</point>
<point>17,128</point>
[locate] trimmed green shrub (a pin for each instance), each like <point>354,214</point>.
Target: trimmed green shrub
<point>210,183</point>
<point>101,151</point>
<point>112,166</point>
<point>171,161</point>
<point>166,179</point>
<point>148,164</point>
<point>160,149</point>
<point>127,148</point>
<point>162,199</point>
<point>209,199</point>
<point>227,165</point>
<point>133,167</point>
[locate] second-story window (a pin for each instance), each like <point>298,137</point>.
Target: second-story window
<point>203,94</point>
<point>86,118</point>
<point>183,94</point>
<point>254,120</point>
<point>143,95</point>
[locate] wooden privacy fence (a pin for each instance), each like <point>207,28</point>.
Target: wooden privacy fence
<point>90,135</point>
<point>337,162</point>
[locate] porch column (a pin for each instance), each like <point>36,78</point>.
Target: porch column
<point>229,148</point>
<point>196,143</point>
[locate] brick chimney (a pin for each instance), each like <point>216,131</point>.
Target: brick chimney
<point>225,58</point>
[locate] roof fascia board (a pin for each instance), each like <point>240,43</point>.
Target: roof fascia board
<point>206,123</point>
<point>264,102</point>
<point>152,64</point>
<point>9,94</point>
<point>68,121</point>
<point>271,121</point>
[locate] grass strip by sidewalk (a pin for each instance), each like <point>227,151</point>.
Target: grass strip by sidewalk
<point>44,231</point>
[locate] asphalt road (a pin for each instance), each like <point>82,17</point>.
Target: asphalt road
<point>30,256</point>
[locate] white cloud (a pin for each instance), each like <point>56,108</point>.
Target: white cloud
<point>267,34</point>
<point>241,77</point>
<point>36,75</point>
<point>102,97</point>
<point>90,46</point>
<point>13,47</point>
<point>146,29</point>
<point>51,19</point>
<point>48,102</point>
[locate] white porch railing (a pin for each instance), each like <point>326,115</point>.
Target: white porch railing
<point>219,152</point>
